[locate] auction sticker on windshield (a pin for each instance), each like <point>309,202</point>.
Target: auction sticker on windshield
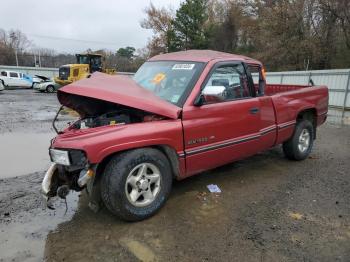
<point>158,78</point>
<point>183,66</point>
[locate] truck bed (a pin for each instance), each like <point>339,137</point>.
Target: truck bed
<point>272,89</point>
<point>289,100</point>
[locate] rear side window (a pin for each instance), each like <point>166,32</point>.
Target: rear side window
<point>229,78</point>
<point>3,73</point>
<point>12,74</point>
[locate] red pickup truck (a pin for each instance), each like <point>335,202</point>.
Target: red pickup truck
<point>182,113</point>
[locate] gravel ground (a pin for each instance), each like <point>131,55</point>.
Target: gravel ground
<point>270,209</point>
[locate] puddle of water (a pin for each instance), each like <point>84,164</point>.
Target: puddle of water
<point>44,116</point>
<point>24,153</point>
<point>24,239</point>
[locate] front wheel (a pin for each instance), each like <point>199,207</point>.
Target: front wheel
<point>50,89</point>
<point>136,184</point>
<point>299,146</point>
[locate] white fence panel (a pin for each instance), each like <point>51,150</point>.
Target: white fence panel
<point>43,71</point>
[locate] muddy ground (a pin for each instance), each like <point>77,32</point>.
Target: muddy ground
<point>270,208</point>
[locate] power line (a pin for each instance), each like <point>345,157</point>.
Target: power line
<point>73,39</point>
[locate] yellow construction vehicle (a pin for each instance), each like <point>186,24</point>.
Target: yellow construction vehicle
<point>86,65</point>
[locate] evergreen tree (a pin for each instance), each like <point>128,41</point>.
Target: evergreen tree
<point>189,26</point>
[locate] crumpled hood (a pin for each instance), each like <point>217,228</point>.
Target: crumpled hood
<point>91,95</point>
<point>44,78</point>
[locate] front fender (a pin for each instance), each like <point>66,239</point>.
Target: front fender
<point>101,142</point>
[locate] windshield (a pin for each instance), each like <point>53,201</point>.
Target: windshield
<point>169,80</point>
<point>83,60</point>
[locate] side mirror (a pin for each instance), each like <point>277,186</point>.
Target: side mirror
<point>216,92</point>
<point>213,91</point>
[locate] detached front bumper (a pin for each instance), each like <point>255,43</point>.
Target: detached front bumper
<point>58,181</point>
<point>47,181</point>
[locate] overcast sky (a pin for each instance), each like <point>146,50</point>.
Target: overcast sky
<point>114,23</point>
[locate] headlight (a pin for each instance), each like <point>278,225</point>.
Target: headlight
<point>60,157</point>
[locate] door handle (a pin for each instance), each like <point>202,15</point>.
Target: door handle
<point>254,110</point>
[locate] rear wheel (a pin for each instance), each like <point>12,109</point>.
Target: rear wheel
<point>299,146</point>
<point>136,184</point>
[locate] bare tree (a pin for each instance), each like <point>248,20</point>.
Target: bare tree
<point>160,21</point>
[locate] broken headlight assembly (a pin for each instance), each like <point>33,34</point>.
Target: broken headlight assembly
<point>68,157</point>
<point>60,157</point>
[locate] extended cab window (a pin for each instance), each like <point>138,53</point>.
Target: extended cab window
<point>258,78</point>
<point>227,82</point>
<point>3,73</point>
<point>12,74</point>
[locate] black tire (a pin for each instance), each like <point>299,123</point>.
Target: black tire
<point>291,147</point>
<point>50,89</point>
<point>114,179</point>
<point>3,83</point>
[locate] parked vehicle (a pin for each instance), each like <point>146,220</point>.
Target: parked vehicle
<point>36,79</point>
<point>15,79</point>
<point>45,85</point>
<point>85,65</point>
<point>182,114</point>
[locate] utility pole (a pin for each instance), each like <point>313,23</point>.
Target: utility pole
<point>39,59</point>
<point>14,43</point>
<point>16,56</point>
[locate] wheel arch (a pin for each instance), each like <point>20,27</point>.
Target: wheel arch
<point>308,114</point>
<point>3,83</point>
<point>169,152</point>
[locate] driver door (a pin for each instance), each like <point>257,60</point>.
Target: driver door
<point>226,126</point>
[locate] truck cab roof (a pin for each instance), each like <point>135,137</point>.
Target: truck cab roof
<point>203,56</point>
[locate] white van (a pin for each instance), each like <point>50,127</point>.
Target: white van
<point>15,79</point>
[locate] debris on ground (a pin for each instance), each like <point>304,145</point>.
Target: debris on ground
<point>296,216</point>
<point>213,188</point>
<point>202,196</point>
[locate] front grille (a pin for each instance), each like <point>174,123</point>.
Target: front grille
<point>63,73</point>
<point>77,158</point>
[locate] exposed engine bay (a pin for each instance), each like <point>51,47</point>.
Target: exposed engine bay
<point>120,117</point>
<point>96,113</point>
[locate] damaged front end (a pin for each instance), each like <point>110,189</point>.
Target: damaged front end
<point>69,170</point>
<point>104,105</point>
